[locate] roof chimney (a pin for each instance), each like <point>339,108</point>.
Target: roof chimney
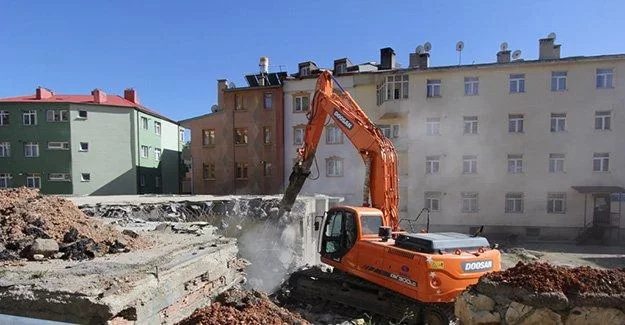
<point>99,96</point>
<point>503,56</point>
<point>547,49</point>
<point>387,58</point>
<point>131,95</point>
<point>222,84</point>
<point>420,60</point>
<point>43,93</point>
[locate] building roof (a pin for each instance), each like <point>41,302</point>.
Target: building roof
<point>111,100</point>
<point>598,189</point>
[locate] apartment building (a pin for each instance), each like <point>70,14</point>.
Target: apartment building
<point>529,148</point>
<point>339,169</point>
<point>238,148</point>
<point>97,144</point>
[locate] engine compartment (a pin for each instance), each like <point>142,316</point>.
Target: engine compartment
<point>439,242</point>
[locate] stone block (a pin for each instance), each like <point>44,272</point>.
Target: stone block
<point>476,309</point>
<point>595,315</point>
<point>520,314</point>
<point>45,247</point>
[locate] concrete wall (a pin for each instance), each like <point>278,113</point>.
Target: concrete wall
<point>493,143</point>
<point>109,160</point>
<point>49,161</point>
<point>170,159</point>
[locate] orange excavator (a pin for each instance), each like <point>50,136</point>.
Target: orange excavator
<point>376,266</point>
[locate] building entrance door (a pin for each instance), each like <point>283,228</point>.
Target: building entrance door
<point>601,215</point>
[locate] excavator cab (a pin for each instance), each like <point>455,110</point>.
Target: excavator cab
<point>344,226</point>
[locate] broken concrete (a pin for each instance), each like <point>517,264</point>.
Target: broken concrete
<point>274,246</point>
<point>160,285</point>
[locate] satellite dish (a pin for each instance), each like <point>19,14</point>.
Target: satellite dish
<point>503,46</point>
<point>214,108</point>
<point>459,46</point>
<point>516,55</point>
<point>552,35</point>
<point>427,47</point>
<point>419,49</point>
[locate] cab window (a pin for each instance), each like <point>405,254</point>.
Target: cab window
<point>370,224</point>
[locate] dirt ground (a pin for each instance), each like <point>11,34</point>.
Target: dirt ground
<point>564,255</point>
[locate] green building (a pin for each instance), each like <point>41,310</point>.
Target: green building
<point>94,144</point>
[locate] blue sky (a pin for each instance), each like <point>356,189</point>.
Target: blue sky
<point>172,52</point>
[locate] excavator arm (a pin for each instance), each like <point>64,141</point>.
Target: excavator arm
<point>378,153</point>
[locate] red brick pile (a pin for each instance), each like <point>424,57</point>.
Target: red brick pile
<point>26,215</point>
<point>543,277</point>
<point>238,307</point>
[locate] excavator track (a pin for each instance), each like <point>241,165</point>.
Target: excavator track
<point>314,284</point>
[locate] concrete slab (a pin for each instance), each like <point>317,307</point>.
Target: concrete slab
<point>160,285</point>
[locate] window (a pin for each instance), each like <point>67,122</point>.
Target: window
<point>84,146</point>
<point>57,145</point>
<point>208,137</point>
<point>432,164</point>
<point>469,164</point>
<point>515,164</point>
<point>240,136</point>
<point>432,126</point>
<point>157,127</point>
<point>514,203</point>
<point>4,118</point>
<point>33,180</point>
<point>57,115</point>
<point>396,87</point>
<point>469,202</point>
<point>268,100</point>
<point>266,168</point>
<point>31,149</point>
<point>558,81</point>
<point>29,117</point>
<point>85,177</point>
<point>334,167</point>
<point>5,180</point>
<point>82,114</point>
<point>142,180</point>
<point>5,149</point>
<point>471,85</point>
<point>298,135</point>
<point>208,171</point>
<point>601,162</point>
<point>341,68</point>
<point>433,201</point>
<point>433,88</point>
<point>515,123</point>
<point>334,135</point>
<point>144,123</point>
<point>301,104</point>
<point>390,131</point>
<point>556,162</point>
<point>157,154</point>
<point>181,135</point>
<point>558,122</point>
<point>241,171</point>
<point>517,83</point>
<point>145,151</point>
<point>556,202</point>
<point>238,102</point>
<point>304,71</point>
<point>470,125</point>
<point>602,120</point>
<point>59,177</point>
<point>604,78</point>
<point>267,135</point>
<point>157,181</point>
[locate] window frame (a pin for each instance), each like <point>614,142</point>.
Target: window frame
<point>57,115</point>
<point>4,117</point>
<point>35,178</point>
<point>605,73</point>
<point>558,81</point>
<point>32,117</point>
<point>515,164</point>
<point>241,136</point>
<point>208,137</point>
<point>433,88</point>
<point>58,145</point>
<point>334,134</point>
<point>470,124</point>
<point>552,197</point>
<point>5,149</point>
<point>59,177</point>
<point>299,108</point>
<point>472,160</point>
<point>267,169</point>
<point>518,207</point>
<point>431,197</point>
<point>5,180</point>
<point>242,171</point>
<point>267,97</point>
<point>518,79</point>
<point>396,87</point>
<point>556,163</point>
<point>144,151</point>
<point>473,202</point>
<point>432,165</point>
<point>518,121</point>
<point>157,157</point>
<point>86,179</point>
<point>430,123</point>
<point>267,135</point>
<point>471,86</point>
<point>208,171</point>
<point>145,124</point>
<point>337,164</point>
<point>80,113</point>
<point>554,122</point>
<point>604,162</point>
<point>604,118</point>
<point>157,128</point>
<point>84,148</point>
<point>31,145</point>
<point>296,130</point>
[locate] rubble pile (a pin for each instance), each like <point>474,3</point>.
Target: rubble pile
<point>37,227</point>
<point>243,307</point>
<point>540,293</point>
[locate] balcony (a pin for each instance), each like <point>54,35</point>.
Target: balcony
<point>401,144</point>
<point>392,109</point>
